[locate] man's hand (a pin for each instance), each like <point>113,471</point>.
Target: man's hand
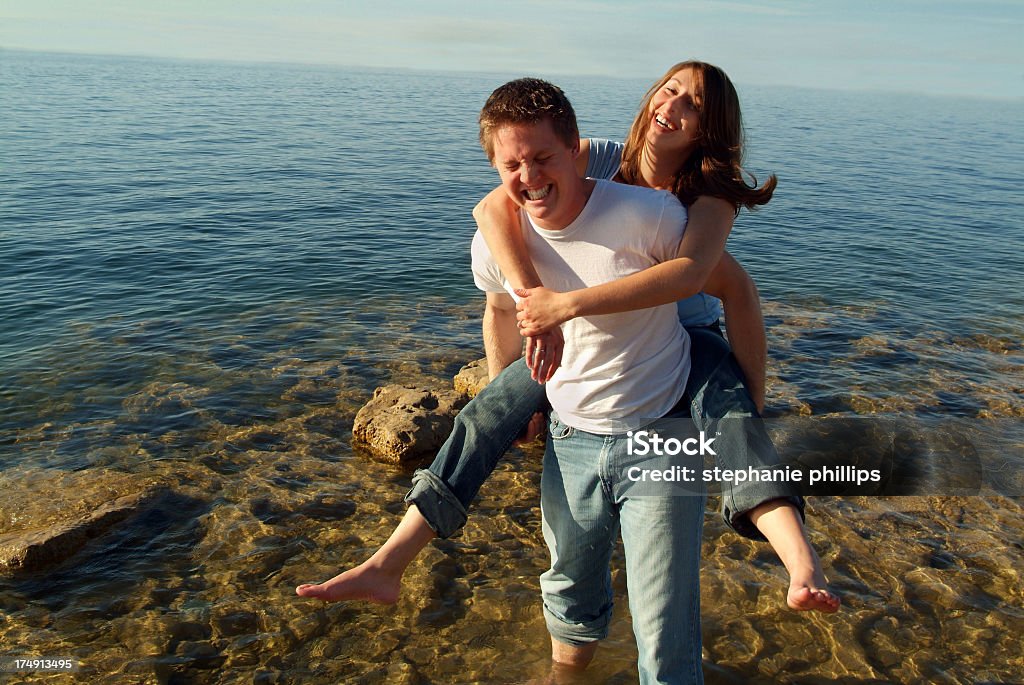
<point>544,354</point>
<point>541,310</point>
<point>534,430</point>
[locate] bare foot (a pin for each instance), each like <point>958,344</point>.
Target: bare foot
<point>365,582</point>
<point>809,592</point>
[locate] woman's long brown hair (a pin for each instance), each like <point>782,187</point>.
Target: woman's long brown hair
<point>715,167</point>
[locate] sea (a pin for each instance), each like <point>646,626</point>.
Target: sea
<point>207,268</point>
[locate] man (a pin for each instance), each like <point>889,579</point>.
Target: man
<point>619,372</point>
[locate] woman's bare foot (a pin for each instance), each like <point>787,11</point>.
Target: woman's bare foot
<point>803,598</point>
<point>781,523</point>
<point>808,591</point>
<point>379,578</point>
<point>365,582</point>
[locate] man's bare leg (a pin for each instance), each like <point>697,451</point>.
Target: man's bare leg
<point>568,662</point>
<point>780,522</point>
<point>379,578</point>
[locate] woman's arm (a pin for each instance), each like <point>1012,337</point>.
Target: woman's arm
<point>497,217</point>
<point>744,324</point>
<point>708,227</point>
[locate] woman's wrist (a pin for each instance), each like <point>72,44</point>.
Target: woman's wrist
<point>572,305</point>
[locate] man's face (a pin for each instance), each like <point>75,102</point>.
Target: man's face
<point>538,171</point>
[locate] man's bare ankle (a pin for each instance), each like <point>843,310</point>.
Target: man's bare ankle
<point>571,657</point>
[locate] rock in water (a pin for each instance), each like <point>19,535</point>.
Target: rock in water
<point>30,550</point>
<point>472,378</point>
<point>405,423</point>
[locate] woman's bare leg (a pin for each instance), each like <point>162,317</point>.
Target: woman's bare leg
<point>379,578</point>
<point>780,522</point>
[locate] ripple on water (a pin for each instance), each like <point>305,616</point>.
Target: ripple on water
<point>253,436</point>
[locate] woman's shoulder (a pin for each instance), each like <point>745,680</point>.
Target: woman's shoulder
<point>603,157</point>
<point>601,146</point>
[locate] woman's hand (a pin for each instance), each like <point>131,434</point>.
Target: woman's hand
<point>544,354</point>
<point>541,310</point>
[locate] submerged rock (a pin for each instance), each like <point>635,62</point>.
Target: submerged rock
<point>29,550</point>
<point>404,423</point>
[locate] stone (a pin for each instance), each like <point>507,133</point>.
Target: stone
<point>234,620</point>
<point>472,378</point>
<point>200,654</point>
<point>402,673</point>
<point>29,550</point>
<point>406,423</point>
<point>163,407</point>
<point>328,507</point>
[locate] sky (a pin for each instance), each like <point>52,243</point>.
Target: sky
<point>969,48</point>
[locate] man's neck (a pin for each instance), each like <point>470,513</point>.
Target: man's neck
<point>578,202</point>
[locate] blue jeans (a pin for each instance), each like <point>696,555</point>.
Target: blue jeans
<point>721,405</point>
<point>487,426</point>
<point>585,502</point>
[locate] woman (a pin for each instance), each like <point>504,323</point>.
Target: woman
<point>686,138</point>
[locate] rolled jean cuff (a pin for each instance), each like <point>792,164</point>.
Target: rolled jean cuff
<point>577,634</point>
<point>442,509</point>
<point>739,519</point>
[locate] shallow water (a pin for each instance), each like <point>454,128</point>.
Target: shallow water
<point>205,270</point>
<point>201,590</point>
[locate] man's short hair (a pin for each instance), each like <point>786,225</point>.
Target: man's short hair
<point>527,101</point>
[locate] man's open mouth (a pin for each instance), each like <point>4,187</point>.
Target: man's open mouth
<point>538,194</point>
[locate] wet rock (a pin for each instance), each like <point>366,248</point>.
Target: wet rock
<point>241,659</point>
<point>200,654</point>
<point>322,507</point>
<point>308,626</point>
<point>472,378</point>
<point>269,511</point>
<point>262,438</point>
<point>405,423</point>
<point>29,550</point>
<point>402,672</point>
<point>163,407</point>
<point>383,646</point>
<point>328,507</point>
<point>266,677</point>
<point>269,554</point>
<point>421,656</point>
<point>188,631</point>
<point>233,620</point>
<point>491,603</point>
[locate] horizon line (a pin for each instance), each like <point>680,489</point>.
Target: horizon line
<point>394,69</point>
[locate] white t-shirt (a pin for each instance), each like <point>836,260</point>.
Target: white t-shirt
<point>619,371</point>
<point>604,161</point>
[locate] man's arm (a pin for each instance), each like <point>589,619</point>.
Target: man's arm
<point>708,227</point>
<point>501,335</point>
<point>731,283</point>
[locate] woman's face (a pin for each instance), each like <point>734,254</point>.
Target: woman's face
<point>674,115</point>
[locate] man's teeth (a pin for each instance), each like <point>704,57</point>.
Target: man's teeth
<point>663,122</point>
<point>538,194</point>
